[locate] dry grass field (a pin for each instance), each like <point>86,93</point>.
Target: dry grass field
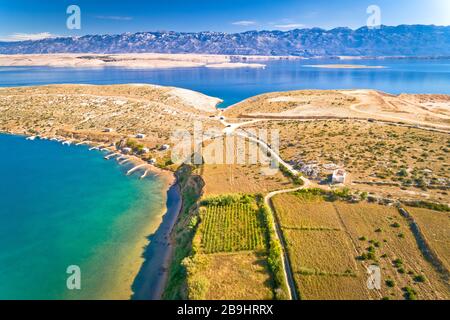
<point>315,213</point>
<point>424,110</point>
<point>398,254</point>
<point>248,172</point>
<point>238,276</point>
<point>304,103</point>
<point>414,162</point>
<point>318,287</point>
<point>223,179</point>
<point>320,252</point>
<point>230,260</point>
<point>435,226</point>
<point>331,244</point>
<point>126,109</point>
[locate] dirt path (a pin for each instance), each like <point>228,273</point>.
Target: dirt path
<point>364,101</point>
<point>287,270</point>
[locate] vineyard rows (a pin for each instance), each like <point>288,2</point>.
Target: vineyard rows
<point>234,227</point>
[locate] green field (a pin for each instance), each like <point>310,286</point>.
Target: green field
<point>230,228</point>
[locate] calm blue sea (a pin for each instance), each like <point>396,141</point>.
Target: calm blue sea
<point>63,206</point>
<point>234,85</point>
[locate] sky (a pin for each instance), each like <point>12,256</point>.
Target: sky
<point>36,19</point>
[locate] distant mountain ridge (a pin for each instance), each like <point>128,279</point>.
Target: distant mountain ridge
<point>403,40</point>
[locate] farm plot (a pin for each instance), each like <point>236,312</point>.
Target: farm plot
<point>234,227</point>
<point>305,211</point>
<point>331,244</point>
<point>384,237</point>
<point>236,276</point>
<point>435,226</point>
<point>231,251</point>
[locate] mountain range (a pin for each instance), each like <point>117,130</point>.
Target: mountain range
<point>403,40</point>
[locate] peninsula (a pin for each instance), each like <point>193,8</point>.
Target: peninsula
<point>363,178</point>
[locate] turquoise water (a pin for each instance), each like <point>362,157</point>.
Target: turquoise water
<point>64,206</point>
<point>234,85</point>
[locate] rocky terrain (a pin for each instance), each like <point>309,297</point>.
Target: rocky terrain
<point>403,40</point>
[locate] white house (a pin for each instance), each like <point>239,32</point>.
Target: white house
<point>108,130</point>
<point>145,150</point>
<point>152,161</point>
<point>164,147</point>
<point>338,176</point>
<point>127,150</point>
<point>140,136</point>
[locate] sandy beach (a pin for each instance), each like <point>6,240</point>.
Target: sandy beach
<point>150,282</point>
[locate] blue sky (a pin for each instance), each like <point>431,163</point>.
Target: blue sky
<point>21,19</point>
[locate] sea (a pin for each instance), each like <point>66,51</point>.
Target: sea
<point>65,206</point>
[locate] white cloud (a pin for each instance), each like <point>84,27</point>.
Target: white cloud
<point>116,18</point>
<point>244,23</point>
<point>289,26</point>
<point>27,36</point>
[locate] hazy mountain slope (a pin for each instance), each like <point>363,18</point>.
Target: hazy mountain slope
<point>404,40</point>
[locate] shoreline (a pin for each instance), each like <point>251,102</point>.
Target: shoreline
<point>343,66</point>
<point>149,281</point>
<point>149,61</point>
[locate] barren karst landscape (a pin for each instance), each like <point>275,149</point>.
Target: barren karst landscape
<point>294,232</point>
<point>236,159</point>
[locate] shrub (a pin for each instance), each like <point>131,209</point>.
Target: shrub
<point>296,179</point>
<point>367,256</point>
<point>226,200</point>
<point>419,278</point>
<point>429,205</point>
<point>395,225</point>
<point>402,173</point>
<point>197,285</point>
<point>410,293</point>
<point>274,260</point>
<point>390,283</point>
<point>398,263</point>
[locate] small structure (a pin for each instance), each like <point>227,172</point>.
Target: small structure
<point>140,136</point>
<point>330,166</point>
<point>145,150</point>
<point>108,130</point>
<point>152,161</point>
<point>338,176</point>
<point>127,150</point>
<point>311,170</point>
<point>164,147</point>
